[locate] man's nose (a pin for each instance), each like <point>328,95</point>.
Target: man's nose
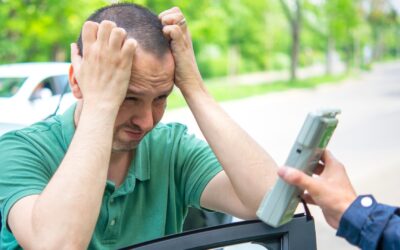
<point>144,118</point>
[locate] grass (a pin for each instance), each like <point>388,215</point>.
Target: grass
<point>225,92</point>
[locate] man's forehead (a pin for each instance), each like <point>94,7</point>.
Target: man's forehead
<point>151,72</point>
<point>144,88</point>
<point>153,65</point>
<point>140,49</point>
<point>149,88</point>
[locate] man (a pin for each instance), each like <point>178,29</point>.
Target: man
<point>360,220</point>
<point>106,174</point>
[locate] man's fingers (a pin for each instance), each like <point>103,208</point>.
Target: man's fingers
<point>295,177</point>
<point>89,34</point>
<point>308,199</point>
<point>327,157</point>
<point>117,38</point>
<point>129,49</point>
<point>170,19</point>
<point>169,11</point>
<point>331,163</point>
<point>174,19</point>
<point>175,33</point>
<point>104,32</point>
<point>172,31</point>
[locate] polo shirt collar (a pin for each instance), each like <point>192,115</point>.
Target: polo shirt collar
<point>138,170</point>
<point>68,125</point>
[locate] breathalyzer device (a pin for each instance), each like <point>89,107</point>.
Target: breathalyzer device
<point>279,205</point>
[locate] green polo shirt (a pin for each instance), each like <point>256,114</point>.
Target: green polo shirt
<point>169,173</point>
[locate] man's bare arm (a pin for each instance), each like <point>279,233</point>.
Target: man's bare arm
<point>248,170</point>
<point>64,215</point>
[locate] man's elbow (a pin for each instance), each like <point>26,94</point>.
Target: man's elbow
<point>54,243</point>
<point>250,217</point>
<point>247,213</point>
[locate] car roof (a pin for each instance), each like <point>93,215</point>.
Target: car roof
<point>29,69</point>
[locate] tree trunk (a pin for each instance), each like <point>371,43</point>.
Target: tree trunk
<point>398,40</point>
<point>296,31</point>
<point>330,48</point>
<point>294,19</point>
<point>233,60</point>
<point>59,54</point>
<point>295,52</point>
<point>348,56</point>
<point>357,54</point>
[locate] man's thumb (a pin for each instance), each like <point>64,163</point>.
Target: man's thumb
<point>295,177</point>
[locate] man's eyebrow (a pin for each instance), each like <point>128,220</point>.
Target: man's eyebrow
<point>135,93</point>
<point>167,92</point>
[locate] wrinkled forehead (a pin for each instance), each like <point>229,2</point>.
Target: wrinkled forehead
<point>152,62</point>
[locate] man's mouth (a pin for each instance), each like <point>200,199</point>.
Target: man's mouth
<point>134,135</point>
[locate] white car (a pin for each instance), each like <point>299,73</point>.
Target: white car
<point>30,92</point>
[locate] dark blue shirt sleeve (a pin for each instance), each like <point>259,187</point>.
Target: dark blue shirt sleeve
<point>370,225</point>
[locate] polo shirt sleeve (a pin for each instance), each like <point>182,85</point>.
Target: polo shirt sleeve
<point>22,171</point>
<point>370,225</point>
<point>197,166</point>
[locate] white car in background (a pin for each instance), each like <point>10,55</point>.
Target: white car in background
<point>30,92</point>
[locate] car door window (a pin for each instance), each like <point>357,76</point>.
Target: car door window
<point>52,86</point>
<point>60,84</point>
<point>9,86</point>
<point>41,91</point>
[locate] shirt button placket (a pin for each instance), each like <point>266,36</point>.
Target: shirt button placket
<point>111,232</point>
<point>113,220</point>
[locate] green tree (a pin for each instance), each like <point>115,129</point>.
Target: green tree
<point>339,25</point>
<point>229,37</point>
<point>41,30</point>
<point>384,23</point>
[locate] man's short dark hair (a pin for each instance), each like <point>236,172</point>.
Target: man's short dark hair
<point>139,23</point>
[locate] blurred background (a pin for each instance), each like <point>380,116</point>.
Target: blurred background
<point>244,48</point>
<point>230,37</point>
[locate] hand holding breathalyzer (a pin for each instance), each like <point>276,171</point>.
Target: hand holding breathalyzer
<point>331,190</point>
<point>279,205</point>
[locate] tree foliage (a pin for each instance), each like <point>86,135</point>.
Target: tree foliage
<point>229,37</point>
<point>40,30</point>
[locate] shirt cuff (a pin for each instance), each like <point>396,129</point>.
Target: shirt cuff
<point>363,222</point>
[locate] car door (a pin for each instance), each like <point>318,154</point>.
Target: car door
<point>45,97</point>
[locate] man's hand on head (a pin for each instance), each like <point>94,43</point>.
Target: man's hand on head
<point>103,71</point>
<point>176,30</point>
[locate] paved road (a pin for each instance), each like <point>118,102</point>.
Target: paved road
<point>367,139</point>
<point>278,75</point>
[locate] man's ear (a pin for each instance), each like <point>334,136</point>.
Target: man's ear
<point>73,83</point>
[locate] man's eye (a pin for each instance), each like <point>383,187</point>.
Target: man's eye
<point>161,98</point>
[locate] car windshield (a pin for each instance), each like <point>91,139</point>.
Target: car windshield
<point>10,85</point>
